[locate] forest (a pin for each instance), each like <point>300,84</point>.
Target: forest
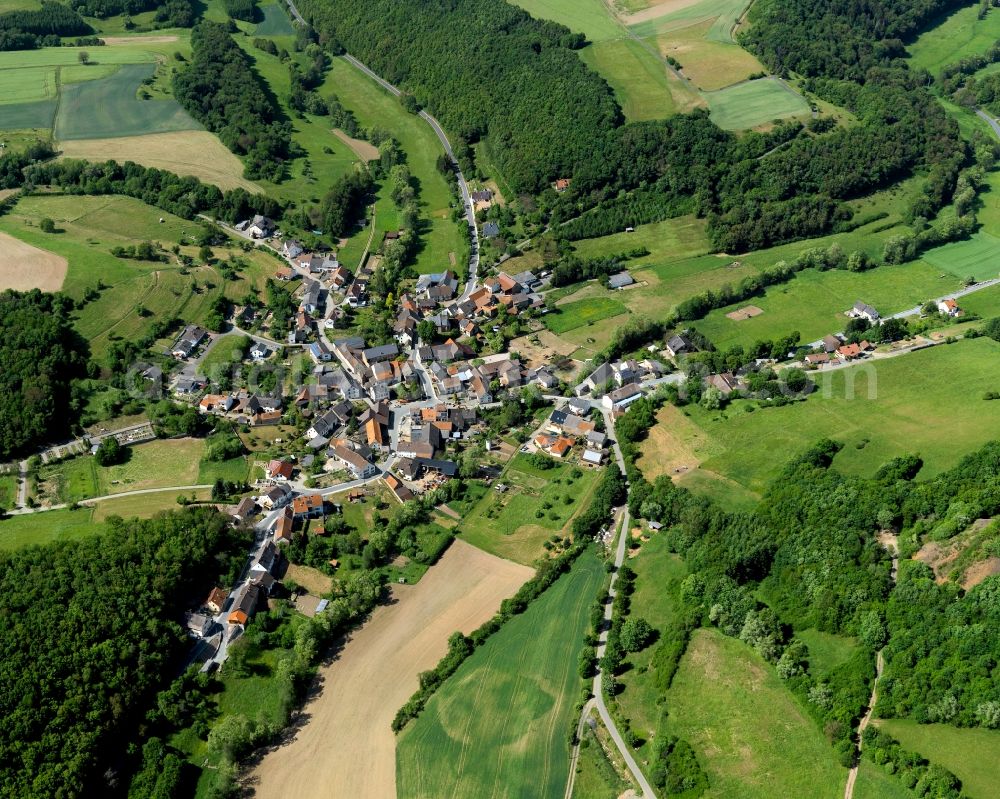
<point>26,29</point>
<point>41,354</point>
<point>221,89</point>
<point>492,73</point>
<point>97,634</point>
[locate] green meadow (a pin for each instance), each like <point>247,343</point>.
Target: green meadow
<point>958,36</point>
<point>643,85</point>
<point>813,302</point>
<point>47,527</point>
<point>750,734</point>
<point>977,257</point>
<point>499,725</point>
<point>582,312</point>
<point>753,103</point>
<point>927,402</point>
<point>971,754</point>
<point>536,505</point>
<point>723,14</point>
<point>274,22</point>
<point>592,18</point>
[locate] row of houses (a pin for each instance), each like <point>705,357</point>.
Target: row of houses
<point>244,407</point>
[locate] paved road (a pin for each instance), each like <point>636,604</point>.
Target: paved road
<point>645,788</point>
<point>470,214</point>
<point>990,120</point>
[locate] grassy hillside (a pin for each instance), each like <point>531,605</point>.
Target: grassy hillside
<point>748,731</point>
<point>498,727</point>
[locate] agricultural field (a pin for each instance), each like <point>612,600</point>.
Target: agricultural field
<point>985,303</point>
<point>749,732</point>
<point>879,410</point>
<point>754,103</point>
<point>378,669</point>
<point>960,35</point>
<point>537,505</point>
<point>23,267</point>
<point>666,17</point>
<point>707,63</point>
<point>197,153</point>
<point>589,17</point>
<point>498,726</point>
<point>971,754</point>
<point>659,573</point>
<point>813,302</point>
<point>977,257</point>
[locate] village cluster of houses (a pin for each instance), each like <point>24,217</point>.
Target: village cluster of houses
<point>565,429</point>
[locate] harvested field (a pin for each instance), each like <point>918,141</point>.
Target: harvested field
<point>191,152</point>
<point>747,312</point>
<point>23,267</point>
<point>313,580</point>
<point>346,748</point>
<point>364,150</point>
<point>657,9</point>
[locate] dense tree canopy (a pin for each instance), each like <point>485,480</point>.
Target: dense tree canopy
<point>40,355</point>
<point>92,632</point>
<point>222,91</point>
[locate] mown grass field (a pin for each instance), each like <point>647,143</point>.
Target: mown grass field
<point>985,303</point>
<point>46,527</point>
<point>659,573</point>
<point>977,257</point>
<point>515,524</point>
<point>444,241</point>
<point>958,36</point>
<point>589,17</point>
<point>498,727</point>
<point>643,86</point>
<point>928,402</point>
<point>971,754</point>
<point>754,103</point>
<point>583,312</point>
<point>722,13</point>
<point>813,302</point>
<point>8,490</point>
<point>749,732</point>
<point>145,505</point>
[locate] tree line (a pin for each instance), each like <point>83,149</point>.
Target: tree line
<point>222,90</point>
<point>26,29</point>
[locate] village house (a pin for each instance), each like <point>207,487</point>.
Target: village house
<point>726,382</point>
<point>216,600</point>
<point>284,526</point>
<point>831,343</point>
<point>620,281</point>
<point>817,358</point>
<point>401,492</point>
<point>260,227</point>
<point>244,604</point>
<point>291,249</point>
<point>279,470</point>
<point>307,506</point>
<point>216,403</point>
<point>949,307</point>
<point>198,624</point>
<point>678,344</point>
<point>266,559</point>
<point>276,496</point>
<point>359,466</point>
<point>593,457</point>
<point>245,510</point>
<point>491,230</point>
<point>599,378</point>
<point>286,274</point>
<point>621,398</point>
<point>187,342</point>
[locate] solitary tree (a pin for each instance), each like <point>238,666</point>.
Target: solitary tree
<point>47,225</point>
<point>84,57</point>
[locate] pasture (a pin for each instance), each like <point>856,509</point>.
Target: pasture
<point>985,303</point>
<point>878,410</point>
<point>589,17</point>
<point>977,257</point>
<point>583,312</point>
<point>959,35</point>
<point>754,103</point>
<point>874,782</point>
<point>378,669</point>
<point>749,732</point>
<point>971,754</point>
<point>145,505</point>
<point>197,153</point>
<point>813,302</point>
<point>659,574</point>
<point>537,505</point>
<point>498,726</point>
<point>46,527</point>
<point>23,267</point>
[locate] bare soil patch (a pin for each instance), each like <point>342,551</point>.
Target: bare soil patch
<point>978,572</point>
<point>657,9</point>
<point>742,314</point>
<point>549,348</point>
<point>23,267</point>
<point>346,748</point>
<point>364,150</point>
<point>6,193</point>
<point>189,152</point>
<point>111,41</point>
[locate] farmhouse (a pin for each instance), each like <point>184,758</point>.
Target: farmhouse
<point>359,466</point>
<point>599,378</point>
<point>279,470</point>
<point>678,344</point>
<point>260,227</point>
<point>292,249</point>
<point>725,382</point>
<point>831,343</point>
<point>817,358</point>
<point>862,310</point>
<point>949,307</point>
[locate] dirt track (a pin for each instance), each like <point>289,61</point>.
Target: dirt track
<point>347,749</point>
<point>23,267</point>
